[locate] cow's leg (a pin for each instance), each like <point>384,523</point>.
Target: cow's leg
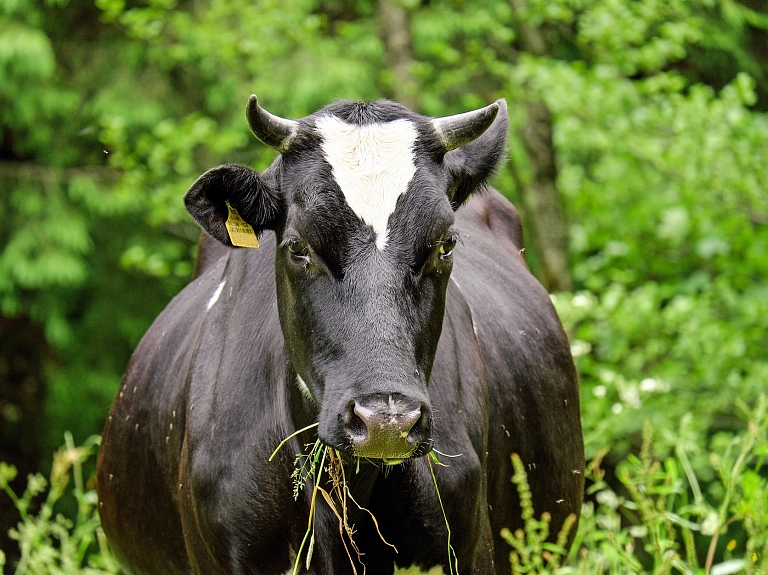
<point>137,509</point>
<point>199,558</point>
<point>224,536</point>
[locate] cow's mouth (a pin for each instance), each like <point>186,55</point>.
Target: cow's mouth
<point>386,442</point>
<point>391,456</point>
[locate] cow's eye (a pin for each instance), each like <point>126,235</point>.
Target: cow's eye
<point>299,249</point>
<point>445,248</point>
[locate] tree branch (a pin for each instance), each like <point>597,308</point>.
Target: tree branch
<point>396,33</point>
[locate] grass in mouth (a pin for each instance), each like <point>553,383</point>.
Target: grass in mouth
<point>309,467</point>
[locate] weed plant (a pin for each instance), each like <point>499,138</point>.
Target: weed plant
<point>49,542</point>
<point>309,468</point>
<point>661,521</point>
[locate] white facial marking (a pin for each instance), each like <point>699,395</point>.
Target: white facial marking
<point>372,164</point>
<point>215,296</point>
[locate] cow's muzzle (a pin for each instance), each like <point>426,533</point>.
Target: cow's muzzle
<point>388,427</point>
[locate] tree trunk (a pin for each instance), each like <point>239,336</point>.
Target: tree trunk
<point>542,207</point>
<point>541,200</point>
<point>396,33</point>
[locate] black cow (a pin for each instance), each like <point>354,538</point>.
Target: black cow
<point>392,307</point>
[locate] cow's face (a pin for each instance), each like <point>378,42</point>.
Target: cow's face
<point>362,202</point>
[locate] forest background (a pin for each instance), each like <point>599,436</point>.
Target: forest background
<point>638,156</point>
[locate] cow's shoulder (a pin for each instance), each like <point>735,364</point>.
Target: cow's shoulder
<point>511,310</point>
<point>171,339</point>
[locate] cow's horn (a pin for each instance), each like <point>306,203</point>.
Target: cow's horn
<point>274,131</point>
<point>455,131</point>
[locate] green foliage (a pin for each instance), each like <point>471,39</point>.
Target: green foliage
<point>50,543</point>
<point>662,521</point>
<point>655,353</point>
<point>673,519</point>
<point>68,217</point>
<point>532,553</point>
<point>665,186</point>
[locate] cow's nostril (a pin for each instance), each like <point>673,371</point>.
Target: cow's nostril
<point>410,429</point>
<point>386,429</point>
<point>363,413</point>
<point>420,428</point>
<point>373,419</point>
<point>356,427</point>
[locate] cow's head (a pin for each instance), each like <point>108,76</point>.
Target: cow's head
<point>362,200</point>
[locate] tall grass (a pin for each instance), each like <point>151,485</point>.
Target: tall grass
<point>308,468</point>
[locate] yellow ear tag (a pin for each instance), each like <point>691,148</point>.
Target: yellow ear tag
<point>241,233</point>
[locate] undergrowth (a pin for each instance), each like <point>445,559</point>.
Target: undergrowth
<point>694,512</point>
<point>660,520</point>
<point>531,552</point>
<point>50,542</point>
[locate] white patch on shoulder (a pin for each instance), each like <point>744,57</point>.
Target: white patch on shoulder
<point>471,315</point>
<point>215,296</point>
<point>304,389</point>
<point>373,165</point>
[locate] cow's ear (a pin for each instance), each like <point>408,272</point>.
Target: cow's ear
<point>255,196</point>
<point>472,164</point>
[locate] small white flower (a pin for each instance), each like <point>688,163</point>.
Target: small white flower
<point>607,498</point>
<point>710,524</point>
<point>617,408</point>
<point>649,384</point>
<point>579,348</point>
<point>609,522</point>
<point>580,300</point>
<point>630,396</point>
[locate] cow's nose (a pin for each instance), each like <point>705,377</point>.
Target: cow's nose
<point>386,428</point>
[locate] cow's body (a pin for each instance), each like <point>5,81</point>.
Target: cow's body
<point>184,479</point>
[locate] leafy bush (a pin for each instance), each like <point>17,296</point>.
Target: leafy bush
<point>652,352</point>
<point>662,521</point>
<point>51,543</point>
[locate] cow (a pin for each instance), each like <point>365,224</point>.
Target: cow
<point>390,315</point>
